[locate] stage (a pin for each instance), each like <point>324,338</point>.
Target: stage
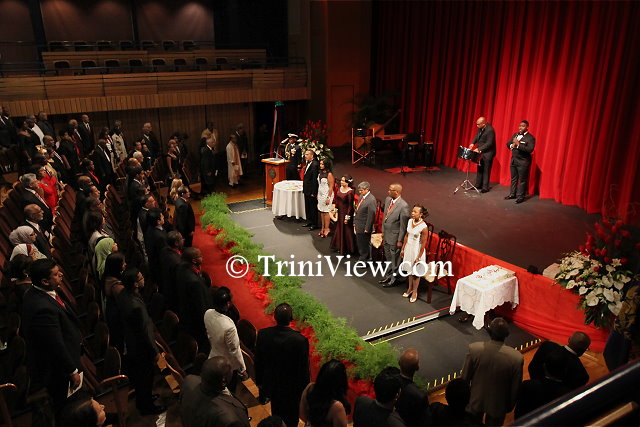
<point>366,305</point>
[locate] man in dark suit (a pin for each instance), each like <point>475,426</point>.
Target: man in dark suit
<point>139,337</point>
<point>574,373</point>
<point>33,214</point>
<point>135,192</point>
<point>485,143</point>
<point>394,227</point>
<point>155,239</point>
<point>195,297</point>
<point>363,218</point>
<point>535,393</point>
<point>413,403</point>
<point>86,133</point>
<point>311,168</point>
<point>67,150</point>
<point>50,329</point>
<point>206,400</point>
<point>102,164</point>
<point>494,371</point>
<point>379,412</point>
<point>521,145</point>
<point>151,141</point>
<point>42,120</point>
<point>8,131</point>
<point>185,218</point>
<point>208,167</point>
<point>170,261</point>
<point>32,196</point>
<point>282,365</point>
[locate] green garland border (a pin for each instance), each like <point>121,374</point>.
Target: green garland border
<point>334,338</point>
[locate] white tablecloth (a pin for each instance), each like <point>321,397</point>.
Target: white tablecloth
<point>288,199</point>
<point>477,300</point>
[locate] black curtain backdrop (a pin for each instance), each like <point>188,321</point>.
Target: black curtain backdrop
<point>570,68</point>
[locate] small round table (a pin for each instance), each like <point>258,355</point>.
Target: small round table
<point>288,199</point>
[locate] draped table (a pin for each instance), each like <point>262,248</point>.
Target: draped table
<point>476,299</point>
<point>288,199</point>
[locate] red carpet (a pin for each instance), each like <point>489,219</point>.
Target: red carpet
<point>408,169</point>
<point>251,300</point>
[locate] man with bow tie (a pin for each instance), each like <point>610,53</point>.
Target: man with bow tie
<point>310,168</point>
<point>521,145</point>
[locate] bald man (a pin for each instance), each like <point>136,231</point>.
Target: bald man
<point>575,375</point>
<point>206,400</point>
<point>484,143</point>
<point>413,403</point>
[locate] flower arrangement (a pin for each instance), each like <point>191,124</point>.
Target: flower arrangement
<point>600,271</point>
<point>314,137</point>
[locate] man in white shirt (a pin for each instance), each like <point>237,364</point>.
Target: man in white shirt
<point>223,335</point>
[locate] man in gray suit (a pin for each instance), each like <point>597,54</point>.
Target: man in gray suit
<point>495,373</point>
<point>394,227</point>
<point>363,218</point>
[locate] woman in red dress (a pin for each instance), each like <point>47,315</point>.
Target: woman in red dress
<point>343,237</point>
<point>49,184</point>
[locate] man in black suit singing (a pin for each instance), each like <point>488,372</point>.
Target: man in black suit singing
<point>521,145</point>
<point>50,329</point>
<point>311,167</point>
<point>484,143</point>
<point>185,218</point>
<point>282,365</point>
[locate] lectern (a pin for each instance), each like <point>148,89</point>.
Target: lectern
<point>274,172</point>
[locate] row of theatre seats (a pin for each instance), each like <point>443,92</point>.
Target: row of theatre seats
<point>102,45</point>
<point>20,404</point>
<point>138,65</point>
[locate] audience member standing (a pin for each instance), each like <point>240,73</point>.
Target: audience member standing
<point>170,261</point>
<point>325,401</point>
<point>574,374</point>
<point>495,373</point>
<point>310,170</point>
<point>155,239</point>
<point>33,214</point>
<point>413,403</point>
<point>363,218</point>
<point>86,133</point>
<point>139,339</point>
<point>282,365</point>
<point>185,219</point>
<point>454,413</point>
<point>117,138</point>
<point>208,167</point>
<point>33,195</point>
<point>150,140</point>
<point>379,412</point>
<point>52,334</point>
<point>223,334</point>
<point>194,295</point>
<point>206,401</point>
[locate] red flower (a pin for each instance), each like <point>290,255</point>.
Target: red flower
<point>618,242</point>
<point>607,260</point>
<point>582,248</point>
<point>606,223</point>
<point>597,252</point>
<point>625,233</point>
<point>624,261</point>
<point>619,223</point>
<point>603,252</point>
<point>596,269</point>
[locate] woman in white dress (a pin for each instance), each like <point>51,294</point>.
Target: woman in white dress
<point>413,251</point>
<point>326,181</point>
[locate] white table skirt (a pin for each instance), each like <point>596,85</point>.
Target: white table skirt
<point>478,300</point>
<point>288,199</point>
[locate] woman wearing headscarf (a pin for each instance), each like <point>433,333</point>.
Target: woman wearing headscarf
<point>23,239</point>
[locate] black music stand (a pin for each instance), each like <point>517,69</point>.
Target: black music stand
<point>466,185</point>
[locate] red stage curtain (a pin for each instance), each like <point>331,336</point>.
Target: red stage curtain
<point>546,310</point>
<point>570,68</point>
